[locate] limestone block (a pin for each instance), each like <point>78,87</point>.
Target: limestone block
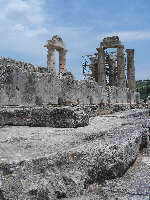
<point>57,117</point>
<point>65,162</point>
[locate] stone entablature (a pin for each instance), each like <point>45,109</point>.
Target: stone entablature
<point>111,42</point>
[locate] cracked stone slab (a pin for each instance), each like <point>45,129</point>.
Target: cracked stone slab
<point>66,162</point>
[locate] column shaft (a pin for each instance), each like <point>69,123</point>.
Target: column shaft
<point>112,79</point>
<point>131,69</point>
<point>121,67</point>
<point>51,63</point>
<point>101,67</point>
<point>62,61</point>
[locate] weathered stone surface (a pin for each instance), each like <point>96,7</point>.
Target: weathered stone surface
<point>101,67</point>
<point>131,69</point>
<point>148,101</point>
<point>121,67</point>
<point>59,118</point>
<point>65,117</point>
<point>133,185</point>
<point>23,84</point>
<point>65,162</point>
<point>111,42</point>
<point>108,68</point>
<point>56,44</point>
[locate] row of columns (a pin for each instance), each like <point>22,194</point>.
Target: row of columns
<point>118,79</point>
<point>121,78</point>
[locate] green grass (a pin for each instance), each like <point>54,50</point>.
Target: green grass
<point>143,87</point>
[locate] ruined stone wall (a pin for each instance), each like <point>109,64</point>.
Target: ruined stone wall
<point>24,84</point>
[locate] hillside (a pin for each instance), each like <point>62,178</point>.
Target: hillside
<point>143,86</point>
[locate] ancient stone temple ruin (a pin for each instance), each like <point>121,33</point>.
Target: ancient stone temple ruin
<point>25,84</point>
<point>62,138</point>
<point>56,44</point>
<point>109,68</point>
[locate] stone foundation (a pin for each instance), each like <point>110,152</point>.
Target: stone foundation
<point>25,84</point>
<point>56,117</point>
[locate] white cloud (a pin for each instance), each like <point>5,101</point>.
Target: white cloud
<point>25,31</point>
<point>23,27</point>
<point>29,12</point>
<point>127,35</point>
<point>17,6</point>
<point>36,32</point>
<point>18,27</point>
<point>26,18</point>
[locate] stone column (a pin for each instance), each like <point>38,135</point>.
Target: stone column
<point>101,67</point>
<point>131,69</point>
<point>112,79</point>
<point>62,61</point>
<point>93,68</point>
<point>51,63</point>
<point>121,67</point>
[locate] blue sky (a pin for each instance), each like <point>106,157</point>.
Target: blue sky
<point>26,25</point>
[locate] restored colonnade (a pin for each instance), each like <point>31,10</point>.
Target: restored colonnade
<point>117,75</point>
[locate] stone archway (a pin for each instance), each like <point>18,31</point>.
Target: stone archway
<point>56,44</point>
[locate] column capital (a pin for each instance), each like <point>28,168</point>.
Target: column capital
<point>130,50</point>
<point>120,47</point>
<point>63,50</point>
<point>100,49</point>
<point>50,46</point>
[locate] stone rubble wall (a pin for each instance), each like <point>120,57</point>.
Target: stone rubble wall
<point>56,117</point>
<point>25,84</point>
